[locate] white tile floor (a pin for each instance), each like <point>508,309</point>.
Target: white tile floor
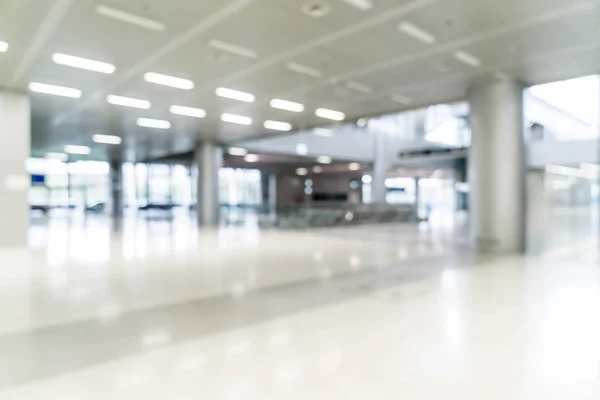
<point>379,312</point>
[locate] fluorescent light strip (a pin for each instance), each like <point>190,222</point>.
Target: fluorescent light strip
<point>82,150</point>
<point>128,102</point>
<point>129,18</point>
<point>232,48</point>
<point>171,81</point>
<point>236,119</point>
<point>330,114</point>
<point>301,171</point>
<point>360,4</point>
<point>153,123</point>
<point>416,33</point>
<point>188,111</point>
<point>107,139</point>
<point>237,151</point>
<point>467,58</point>
<point>277,125</point>
<point>304,70</point>
<point>3,47</point>
<point>359,87</point>
<point>287,105</point>
<point>83,63</point>
<point>324,160</point>
<point>235,95</point>
<point>54,90</point>
<point>401,99</point>
<point>57,156</point>
<point>251,158</point>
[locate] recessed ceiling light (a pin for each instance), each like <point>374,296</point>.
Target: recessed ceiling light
<point>3,47</point>
<point>359,87</point>
<point>467,58</point>
<point>54,90</point>
<point>129,18</point>
<point>287,105</point>
<point>301,149</point>
<point>416,33</point>
<point>304,70</point>
<point>188,111</point>
<point>324,160</point>
<point>236,119</point>
<point>235,95</point>
<point>330,114</point>
<point>251,158</point>
<point>72,149</point>
<point>153,123</point>
<point>360,4</point>
<point>237,151</point>
<point>323,132</point>
<point>317,170</point>
<point>57,156</point>
<point>277,125</point>
<point>401,99</point>
<point>128,102</point>
<point>171,81</point>
<point>107,139</point>
<point>354,166</point>
<point>83,63</point>
<point>232,48</point>
<point>301,171</point>
<point>361,122</point>
<point>316,9</point>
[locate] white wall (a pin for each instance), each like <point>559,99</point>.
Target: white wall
<point>14,180</point>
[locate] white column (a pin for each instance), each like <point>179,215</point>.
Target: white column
<point>15,133</point>
<point>379,174</point>
<point>209,158</point>
<point>497,167</point>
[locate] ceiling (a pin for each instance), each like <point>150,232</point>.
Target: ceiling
<point>365,60</point>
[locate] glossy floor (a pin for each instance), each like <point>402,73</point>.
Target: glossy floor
<point>164,311</point>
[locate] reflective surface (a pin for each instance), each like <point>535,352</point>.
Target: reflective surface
<point>164,311</point>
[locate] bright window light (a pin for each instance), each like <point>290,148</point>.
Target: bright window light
<point>57,156</point>
<point>153,123</point>
<point>3,47</point>
<point>107,139</point>
<point>55,90</point>
<point>277,125</point>
<point>235,95</point>
<point>301,171</point>
<point>236,119</point>
<point>287,105</point>
<point>324,160</point>
<point>237,151</point>
<point>367,179</point>
<point>330,114</point>
<point>188,111</point>
<point>82,150</point>
<point>301,149</point>
<point>251,158</point>
<point>83,63</point>
<point>128,102</point>
<point>130,18</point>
<point>171,81</point>
<point>416,33</point>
